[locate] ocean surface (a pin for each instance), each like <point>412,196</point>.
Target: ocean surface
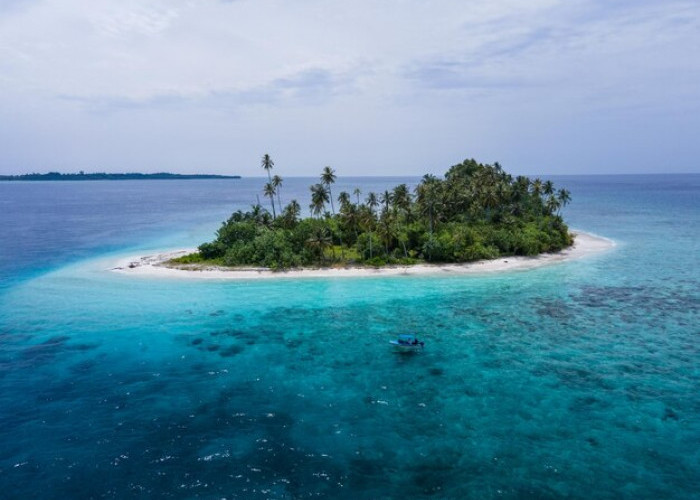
<point>576,380</point>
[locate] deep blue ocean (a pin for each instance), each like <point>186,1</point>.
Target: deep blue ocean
<point>575,380</point>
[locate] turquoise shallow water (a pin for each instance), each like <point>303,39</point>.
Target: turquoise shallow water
<point>576,380</point>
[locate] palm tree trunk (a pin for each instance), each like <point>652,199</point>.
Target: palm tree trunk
<point>431,220</point>
<point>386,240</point>
<point>342,250</point>
<point>403,243</point>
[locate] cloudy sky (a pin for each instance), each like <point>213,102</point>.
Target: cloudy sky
<point>369,87</point>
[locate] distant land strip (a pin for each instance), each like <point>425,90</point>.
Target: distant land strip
<point>82,176</point>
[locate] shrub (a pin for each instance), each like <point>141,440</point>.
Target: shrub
<point>212,250</point>
<point>363,245</point>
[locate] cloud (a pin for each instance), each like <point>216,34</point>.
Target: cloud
<point>450,75</point>
<point>138,20</point>
<point>444,80</point>
<point>308,87</point>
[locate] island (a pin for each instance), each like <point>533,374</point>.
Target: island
<point>102,176</point>
<point>474,212</point>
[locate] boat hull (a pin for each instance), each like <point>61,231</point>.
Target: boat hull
<point>405,347</point>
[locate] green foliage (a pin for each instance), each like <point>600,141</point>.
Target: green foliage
<point>269,248</point>
<point>477,211</point>
<point>377,261</point>
<point>369,246</point>
<point>234,230</point>
<point>190,258</point>
<point>212,250</point>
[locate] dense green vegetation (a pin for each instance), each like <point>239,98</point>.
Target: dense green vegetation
<point>102,176</point>
<point>476,211</point>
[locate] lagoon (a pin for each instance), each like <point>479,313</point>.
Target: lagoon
<point>576,380</point>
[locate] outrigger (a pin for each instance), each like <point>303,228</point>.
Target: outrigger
<point>407,343</point>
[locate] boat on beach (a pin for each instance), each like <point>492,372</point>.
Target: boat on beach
<point>405,342</point>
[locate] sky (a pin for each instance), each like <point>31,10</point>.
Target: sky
<point>393,87</point>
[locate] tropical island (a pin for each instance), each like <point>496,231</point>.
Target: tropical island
<point>102,176</point>
<point>475,212</point>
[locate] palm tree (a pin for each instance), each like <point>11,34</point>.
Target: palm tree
<point>319,198</point>
<point>548,188</point>
<point>357,192</point>
<point>428,196</point>
<point>276,183</point>
<point>385,229</point>
<point>552,204</point>
<point>344,199</point>
<point>490,200</point>
<point>328,178</point>
<point>366,220</point>
<point>256,213</point>
<point>385,198</point>
<point>351,215</point>
<point>563,197</point>
<point>269,191</point>
<point>402,204</point>
<point>291,212</point>
<point>372,202</point>
<point>519,195</point>
<point>402,197</point>
<point>320,240</point>
<point>267,164</point>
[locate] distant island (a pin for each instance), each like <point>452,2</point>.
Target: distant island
<point>476,211</point>
<point>101,176</point>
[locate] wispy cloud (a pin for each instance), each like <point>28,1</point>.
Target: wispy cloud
<point>138,19</point>
<point>308,87</point>
<point>452,75</point>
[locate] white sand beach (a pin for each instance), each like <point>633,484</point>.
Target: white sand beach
<point>155,265</point>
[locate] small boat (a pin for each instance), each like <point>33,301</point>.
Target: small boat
<point>407,343</point>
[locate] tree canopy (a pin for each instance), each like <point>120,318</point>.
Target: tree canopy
<point>476,211</point>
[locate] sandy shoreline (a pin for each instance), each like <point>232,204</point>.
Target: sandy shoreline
<point>585,244</point>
